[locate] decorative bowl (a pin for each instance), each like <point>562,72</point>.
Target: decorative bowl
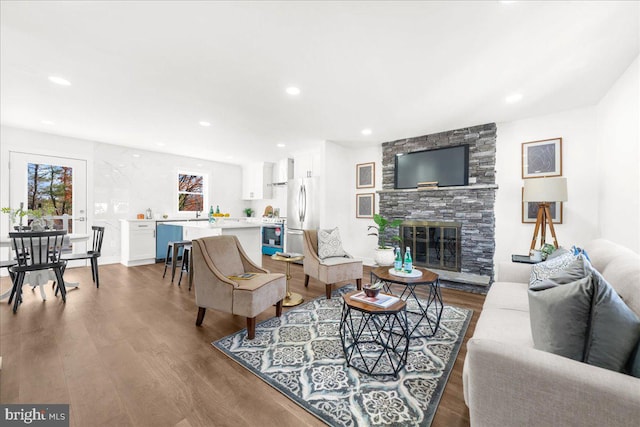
<point>371,292</point>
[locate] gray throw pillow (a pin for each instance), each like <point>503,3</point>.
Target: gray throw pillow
<point>577,314</point>
<point>329,244</point>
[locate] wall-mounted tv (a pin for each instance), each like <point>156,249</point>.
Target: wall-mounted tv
<point>448,166</point>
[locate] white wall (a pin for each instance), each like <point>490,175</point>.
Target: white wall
<point>339,177</point>
<point>120,185</point>
<point>578,131</point>
<point>618,158</point>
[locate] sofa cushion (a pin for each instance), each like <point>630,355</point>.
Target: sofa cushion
<point>329,244</point>
<point>510,327</point>
<point>507,295</point>
<point>577,314</point>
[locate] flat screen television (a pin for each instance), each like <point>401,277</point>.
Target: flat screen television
<point>448,166</point>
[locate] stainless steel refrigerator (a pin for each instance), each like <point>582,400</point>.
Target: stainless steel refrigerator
<point>303,203</point>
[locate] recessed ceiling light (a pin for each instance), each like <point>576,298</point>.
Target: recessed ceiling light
<point>47,122</point>
<point>280,145</point>
<point>229,157</point>
<point>199,165</point>
<point>205,124</point>
<point>514,97</point>
<point>292,90</point>
<point>59,81</point>
<point>366,131</point>
<point>160,144</point>
<point>136,155</point>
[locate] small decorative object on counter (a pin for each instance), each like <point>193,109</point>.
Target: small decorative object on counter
<point>408,261</point>
<point>211,219</point>
<point>149,213</point>
<point>248,212</point>
<point>140,216</point>
<point>217,209</point>
<point>397,265</point>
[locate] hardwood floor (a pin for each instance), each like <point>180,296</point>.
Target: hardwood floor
<point>129,354</point>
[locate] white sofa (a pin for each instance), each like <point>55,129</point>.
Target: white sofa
<point>509,383</point>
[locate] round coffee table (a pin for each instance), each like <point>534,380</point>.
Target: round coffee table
<point>434,300</point>
<point>291,298</point>
<point>375,340</point>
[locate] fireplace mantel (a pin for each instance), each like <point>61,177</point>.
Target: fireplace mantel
<point>456,188</point>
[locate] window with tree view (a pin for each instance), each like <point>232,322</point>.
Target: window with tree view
<point>190,192</point>
<point>50,191</point>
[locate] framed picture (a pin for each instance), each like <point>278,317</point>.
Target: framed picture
<point>542,158</point>
<point>530,212</point>
<point>364,205</point>
<point>366,175</point>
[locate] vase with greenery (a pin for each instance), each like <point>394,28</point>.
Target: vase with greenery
<point>38,222</point>
<point>384,254</point>
<point>248,212</point>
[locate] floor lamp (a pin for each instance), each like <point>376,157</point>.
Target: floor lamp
<point>544,191</point>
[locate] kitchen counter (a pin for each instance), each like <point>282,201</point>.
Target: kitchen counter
<point>224,223</point>
<point>247,232</point>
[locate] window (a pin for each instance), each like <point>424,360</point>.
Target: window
<point>191,192</point>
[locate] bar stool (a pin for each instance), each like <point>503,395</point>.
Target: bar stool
<point>173,253</point>
<point>186,264</point>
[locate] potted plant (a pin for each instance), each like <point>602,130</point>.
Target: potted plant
<point>384,254</point>
<point>248,212</point>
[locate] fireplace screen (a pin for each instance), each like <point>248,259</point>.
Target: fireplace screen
<point>433,244</point>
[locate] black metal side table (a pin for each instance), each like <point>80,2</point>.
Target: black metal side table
<point>434,299</point>
<point>375,340</point>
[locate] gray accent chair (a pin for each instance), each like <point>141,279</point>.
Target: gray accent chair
<point>215,261</point>
<point>329,270</point>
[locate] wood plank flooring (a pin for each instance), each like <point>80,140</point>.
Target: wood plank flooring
<point>129,354</point>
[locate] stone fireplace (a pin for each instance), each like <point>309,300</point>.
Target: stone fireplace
<point>466,212</point>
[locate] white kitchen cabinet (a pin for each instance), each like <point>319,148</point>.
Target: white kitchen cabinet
<point>256,181</point>
<point>138,240</point>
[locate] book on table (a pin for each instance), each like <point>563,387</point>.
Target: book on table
<point>381,300</point>
<point>243,276</point>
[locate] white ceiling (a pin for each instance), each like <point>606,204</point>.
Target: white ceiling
<point>145,73</point>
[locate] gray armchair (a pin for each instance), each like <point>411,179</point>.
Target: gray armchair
<point>216,263</point>
<point>329,270</point>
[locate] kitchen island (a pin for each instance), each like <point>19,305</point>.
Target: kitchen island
<point>248,233</point>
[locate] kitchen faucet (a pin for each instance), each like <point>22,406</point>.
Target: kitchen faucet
<point>197,214</point>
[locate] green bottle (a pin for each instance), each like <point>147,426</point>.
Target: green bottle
<point>211,213</point>
<point>217,209</point>
<point>408,261</point>
<point>397,265</point>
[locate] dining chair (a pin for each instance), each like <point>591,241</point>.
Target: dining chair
<point>92,255</point>
<point>36,251</point>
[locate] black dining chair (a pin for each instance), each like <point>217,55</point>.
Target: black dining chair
<point>34,251</point>
<point>92,255</point>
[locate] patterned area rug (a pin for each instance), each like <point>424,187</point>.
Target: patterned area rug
<point>300,354</point>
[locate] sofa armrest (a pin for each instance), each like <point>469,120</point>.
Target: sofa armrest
<point>514,385</point>
<point>513,272</point>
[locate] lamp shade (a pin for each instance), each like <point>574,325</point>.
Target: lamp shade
<point>545,190</point>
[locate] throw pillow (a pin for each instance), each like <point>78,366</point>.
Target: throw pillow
<point>575,313</point>
<point>546,269</point>
<point>634,362</point>
<point>329,244</point>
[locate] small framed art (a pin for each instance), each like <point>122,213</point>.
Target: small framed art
<point>366,175</point>
<point>542,158</point>
<point>364,205</point>
<point>530,211</point>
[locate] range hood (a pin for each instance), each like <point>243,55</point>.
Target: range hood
<point>282,172</point>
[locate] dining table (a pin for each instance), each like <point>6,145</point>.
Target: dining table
<point>41,278</point>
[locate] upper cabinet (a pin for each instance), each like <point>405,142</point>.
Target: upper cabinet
<point>256,181</point>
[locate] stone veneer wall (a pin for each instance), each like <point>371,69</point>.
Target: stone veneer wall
<point>472,205</point>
